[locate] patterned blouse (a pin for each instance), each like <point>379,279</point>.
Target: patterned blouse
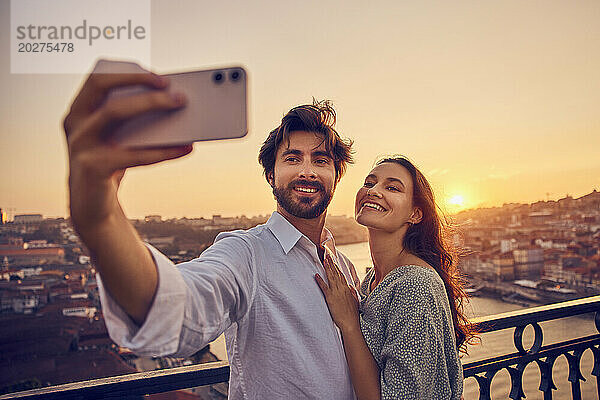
<point>407,325</point>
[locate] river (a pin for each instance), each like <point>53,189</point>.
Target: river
<point>496,343</point>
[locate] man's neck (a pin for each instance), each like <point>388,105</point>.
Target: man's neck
<point>311,228</point>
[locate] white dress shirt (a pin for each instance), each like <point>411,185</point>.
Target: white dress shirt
<point>258,287</point>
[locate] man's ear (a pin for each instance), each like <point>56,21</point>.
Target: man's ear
<point>416,216</point>
<point>270,179</point>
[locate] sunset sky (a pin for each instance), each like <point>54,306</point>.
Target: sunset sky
<point>495,101</point>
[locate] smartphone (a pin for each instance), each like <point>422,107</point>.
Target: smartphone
<point>216,107</point>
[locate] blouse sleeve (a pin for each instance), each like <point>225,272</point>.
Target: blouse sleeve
<point>411,346</point>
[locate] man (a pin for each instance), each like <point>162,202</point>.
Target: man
<point>257,286</point>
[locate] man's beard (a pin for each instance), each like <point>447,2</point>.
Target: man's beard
<point>301,208</point>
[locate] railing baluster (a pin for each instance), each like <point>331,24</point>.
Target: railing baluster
<point>485,383</point>
<point>516,378</point>
<point>596,369</point>
<point>546,382</point>
<point>574,373</point>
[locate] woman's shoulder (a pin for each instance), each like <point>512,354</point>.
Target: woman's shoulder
<point>407,276</point>
<point>415,284</point>
<point>406,282</point>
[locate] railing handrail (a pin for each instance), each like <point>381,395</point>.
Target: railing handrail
<point>139,383</point>
<point>527,316</point>
<point>205,374</point>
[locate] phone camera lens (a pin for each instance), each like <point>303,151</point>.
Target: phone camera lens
<point>235,75</point>
<point>218,77</point>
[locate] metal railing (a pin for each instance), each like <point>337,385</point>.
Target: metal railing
<point>133,386</point>
<point>544,356</point>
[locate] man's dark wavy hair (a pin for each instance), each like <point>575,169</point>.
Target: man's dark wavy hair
<point>318,118</point>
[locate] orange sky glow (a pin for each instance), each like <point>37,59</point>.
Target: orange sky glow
<point>496,102</point>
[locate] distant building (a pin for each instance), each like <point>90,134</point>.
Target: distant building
<point>11,243</point>
<point>487,270</point>
<point>572,261</point>
<point>544,243</point>
<point>515,219</point>
<point>591,200</point>
<point>560,244</point>
<point>28,218</point>
<point>507,245</point>
<point>162,243</point>
<point>29,272</point>
<point>84,312</point>
<point>152,218</point>
<point>35,256</point>
<point>529,263</point>
<point>195,221</point>
<point>38,244</point>
<point>540,217</point>
<point>84,259</point>
<point>22,298</point>
<point>528,256</point>
<point>218,220</point>
<point>504,267</point>
<point>25,303</point>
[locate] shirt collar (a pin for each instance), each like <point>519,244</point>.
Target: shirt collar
<point>328,243</point>
<point>287,235</point>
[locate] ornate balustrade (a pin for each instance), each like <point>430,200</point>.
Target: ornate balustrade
<point>542,355</point>
<point>133,386</point>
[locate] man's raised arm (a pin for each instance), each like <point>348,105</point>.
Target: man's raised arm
<point>95,170</point>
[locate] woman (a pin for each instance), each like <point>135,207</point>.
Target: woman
<point>402,338</point>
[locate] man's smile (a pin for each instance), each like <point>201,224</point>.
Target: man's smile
<point>306,190</point>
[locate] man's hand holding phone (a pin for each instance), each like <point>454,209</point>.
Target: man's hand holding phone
<point>96,167</point>
<point>95,164</point>
<point>125,116</point>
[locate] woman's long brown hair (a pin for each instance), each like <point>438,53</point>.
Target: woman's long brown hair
<point>427,240</point>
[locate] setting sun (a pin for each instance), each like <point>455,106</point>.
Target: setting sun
<point>456,201</point>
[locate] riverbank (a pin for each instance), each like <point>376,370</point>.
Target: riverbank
<point>525,292</point>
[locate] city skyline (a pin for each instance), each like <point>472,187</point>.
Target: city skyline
<point>496,103</point>
<point>9,214</point>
